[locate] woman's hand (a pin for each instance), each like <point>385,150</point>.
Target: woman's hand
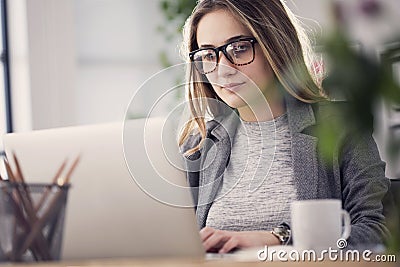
<point>224,241</point>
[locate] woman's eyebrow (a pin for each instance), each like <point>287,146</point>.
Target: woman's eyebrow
<point>236,37</point>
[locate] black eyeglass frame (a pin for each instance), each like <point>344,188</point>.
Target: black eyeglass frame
<point>222,48</point>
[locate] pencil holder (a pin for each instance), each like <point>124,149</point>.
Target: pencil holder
<point>31,221</point>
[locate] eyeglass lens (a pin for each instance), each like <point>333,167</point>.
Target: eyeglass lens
<point>238,53</point>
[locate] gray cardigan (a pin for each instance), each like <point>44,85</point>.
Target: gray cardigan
<point>356,177</point>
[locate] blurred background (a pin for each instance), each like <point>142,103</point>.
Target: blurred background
<point>74,62</point>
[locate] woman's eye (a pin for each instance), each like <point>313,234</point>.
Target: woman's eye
<point>208,56</point>
<point>240,48</point>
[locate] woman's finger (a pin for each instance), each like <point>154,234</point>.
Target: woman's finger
<point>216,240</point>
<point>230,244</point>
<point>206,232</point>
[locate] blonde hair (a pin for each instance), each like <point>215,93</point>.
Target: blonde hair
<point>283,42</point>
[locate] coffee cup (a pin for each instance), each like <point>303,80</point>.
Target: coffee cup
<point>319,224</point>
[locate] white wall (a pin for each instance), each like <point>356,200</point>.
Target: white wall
<point>52,62</point>
<point>42,62</point>
<point>117,50</point>
<point>80,61</point>
<point>19,65</point>
<point>371,32</point>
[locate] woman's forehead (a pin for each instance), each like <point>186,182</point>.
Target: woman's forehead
<point>217,27</point>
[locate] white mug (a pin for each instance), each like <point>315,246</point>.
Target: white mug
<point>317,224</point>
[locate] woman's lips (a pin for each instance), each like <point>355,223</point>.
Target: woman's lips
<point>232,86</point>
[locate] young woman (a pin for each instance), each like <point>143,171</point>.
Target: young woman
<point>250,73</point>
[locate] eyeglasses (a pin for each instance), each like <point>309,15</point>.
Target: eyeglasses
<point>239,52</point>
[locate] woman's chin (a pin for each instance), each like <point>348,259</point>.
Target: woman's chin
<point>234,103</point>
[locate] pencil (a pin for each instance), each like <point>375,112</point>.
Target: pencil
<point>24,202</point>
<point>54,180</point>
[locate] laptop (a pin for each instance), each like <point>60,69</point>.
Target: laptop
<point>132,204</point>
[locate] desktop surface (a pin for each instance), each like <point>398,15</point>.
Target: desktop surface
<point>198,263</point>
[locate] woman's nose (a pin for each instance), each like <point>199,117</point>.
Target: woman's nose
<point>225,67</point>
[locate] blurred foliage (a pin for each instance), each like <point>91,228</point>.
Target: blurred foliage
<point>175,14</point>
<point>362,80</point>
<point>177,10</point>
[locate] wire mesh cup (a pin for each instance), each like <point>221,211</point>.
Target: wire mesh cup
<point>31,221</point>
